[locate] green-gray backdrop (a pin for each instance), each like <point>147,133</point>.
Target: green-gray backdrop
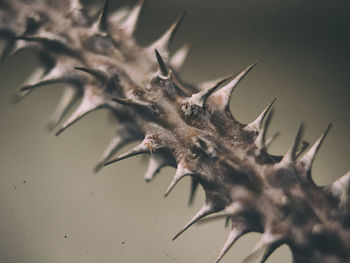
<point>53,208</point>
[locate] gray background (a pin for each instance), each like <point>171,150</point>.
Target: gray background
<point>54,209</point>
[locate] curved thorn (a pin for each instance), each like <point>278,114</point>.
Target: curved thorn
<point>257,124</point>
<point>290,156</point>
<point>309,156</point>
<point>139,149</point>
<point>226,91</point>
<point>233,236</point>
<point>204,211</point>
<point>86,106</point>
<point>69,97</point>
<point>102,76</point>
<point>201,97</point>
<point>181,172</point>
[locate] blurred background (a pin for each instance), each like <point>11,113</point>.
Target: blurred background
<point>55,209</point>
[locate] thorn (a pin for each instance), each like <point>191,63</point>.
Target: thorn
<point>181,172</point>
<point>204,211</point>
<point>156,162</point>
<point>101,25</point>
<point>69,97</point>
<point>163,42</point>
<point>226,91</point>
<point>290,156</point>
<point>200,98</point>
<point>127,132</point>
<point>44,82</point>
<point>341,188</point>
<point>234,209</point>
<point>89,103</point>
<point>257,124</point>
<point>260,139</point>
<point>269,250</point>
<point>130,23</point>
<point>164,72</point>
<point>194,186</point>
<point>309,156</point>
<point>266,241</point>
<point>233,236</point>
<point>99,74</point>
<point>139,149</point>
<point>178,59</point>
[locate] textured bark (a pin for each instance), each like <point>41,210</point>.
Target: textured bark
<point>182,125</point>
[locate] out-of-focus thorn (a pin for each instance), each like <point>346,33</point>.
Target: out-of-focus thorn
<point>69,97</point>
<point>90,102</point>
<point>130,23</point>
<point>162,44</point>
<point>178,59</point>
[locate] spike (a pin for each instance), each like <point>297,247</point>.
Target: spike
<point>35,76</point>
<point>266,242</point>
<point>101,25</point>
<point>163,42</point>
<point>200,98</point>
<point>56,75</point>
<point>234,209</point>
<point>127,132</point>
<point>164,71</point>
<point>226,91</point>
<point>69,97</point>
<point>290,156</point>
<point>194,186</point>
<point>178,59</point>
<point>115,145</point>
<point>270,249</point>
<point>129,24</point>
<point>260,139</point>
<point>118,16</point>
<point>341,188</point>
<point>233,236</point>
<point>89,103</point>
<point>99,74</point>
<point>156,162</point>
<point>206,209</point>
<point>181,172</point>
<point>139,149</point>
<point>309,156</point>
<point>44,82</point>
<point>257,124</point>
